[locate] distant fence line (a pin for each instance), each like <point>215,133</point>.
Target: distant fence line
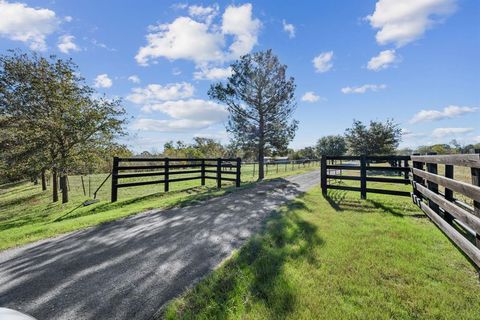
<point>330,172</point>
<point>282,165</point>
<point>172,167</point>
<point>458,220</point>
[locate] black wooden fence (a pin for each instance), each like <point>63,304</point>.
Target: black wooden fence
<point>458,220</point>
<point>365,165</point>
<point>171,170</point>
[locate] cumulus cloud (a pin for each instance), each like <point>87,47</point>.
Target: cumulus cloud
<point>447,113</point>
<point>323,62</point>
<point>154,93</point>
<point>199,41</point>
<point>212,73</point>
<point>364,88</point>
<point>289,28</point>
<point>66,44</point>
<point>384,60</point>
<point>134,78</point>
<point>310,96</point>
<point>192,109</point>
<point>19,22</point>
<point>401,22</point>
<point>172,126</point>
<point>448,132</point>
<point>174,100</point>
<point>103,81</point>
<point>203,13</point>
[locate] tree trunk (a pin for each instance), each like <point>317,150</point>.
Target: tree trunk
<point>63,179</point>
<point>261,149</point>
<point>44,181</point>
<point>54,185</point>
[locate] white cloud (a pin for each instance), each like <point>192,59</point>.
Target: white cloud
<point>364,88</point>
<point>180,125</point>
<point>310,96</point>
<point>134,78</point>
<point>447,113</point>
<point>155,93</point>
<point>197,40</point>
<point>68,19</point>
<point>186,115</point>
<point>444,132</point>
<point>401,22</point>
<point>66,44</point>
<point>203,13</point>
<point>19,22</point>
<point>407,134</point>
<point>103,81</point>
<point>192,109</point>
<point>238,22</point>
<point>322,62</point>
<point>289,28</point>
<point>212,73</point>
<point>384,60</point>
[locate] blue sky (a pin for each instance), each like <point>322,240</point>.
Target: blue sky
<point>416,61</point>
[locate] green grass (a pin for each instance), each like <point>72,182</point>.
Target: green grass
<point>27,214</point>
<point>340,258</point>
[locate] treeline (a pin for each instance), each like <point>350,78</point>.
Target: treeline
<point>51,122</point>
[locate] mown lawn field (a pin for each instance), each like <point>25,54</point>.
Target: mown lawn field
<point>340,257</point>
<point>28,214</point>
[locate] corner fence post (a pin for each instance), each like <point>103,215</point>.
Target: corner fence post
<point>239,166</point>
<point>432,168</point>
<point>114,179</point>
<point>476,204</point>
<point>167,178</point>
<point>202,173</point>
<point>363,177</point>
<point>323,174</point>
<point>219,173</point>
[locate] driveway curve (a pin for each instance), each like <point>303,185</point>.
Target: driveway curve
<point>130,268</point>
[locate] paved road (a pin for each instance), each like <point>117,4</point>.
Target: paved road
<point>130,268</point>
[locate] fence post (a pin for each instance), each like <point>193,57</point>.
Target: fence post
<point>202,174</point>
<point>433,168</point>
<point>449,173</point>
<point>239,166</point>
<point>363,177</point>
<point>167,173</point>
<point>417,179</point>
<point>114,194</point>
<point>323,174</point>
<point>476,204</point>
<point>406,166</point>
<point>219,173</point>
<point>253,175</point>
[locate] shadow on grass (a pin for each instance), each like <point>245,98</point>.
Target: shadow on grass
<point>256,273</point>
<point>342,201</point>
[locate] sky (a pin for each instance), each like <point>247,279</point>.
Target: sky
<point>415,61</point>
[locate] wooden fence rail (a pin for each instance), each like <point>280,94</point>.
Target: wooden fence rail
<point>169,169</point>
<point>454,217</point>
<point>362,164</point>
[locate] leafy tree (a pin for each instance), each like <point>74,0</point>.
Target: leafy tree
<point>332,146</point>
<point>380,138</point>
<point>261,101</point>
<point>47,100</point>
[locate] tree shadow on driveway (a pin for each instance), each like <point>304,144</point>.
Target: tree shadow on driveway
<point>128,269</point>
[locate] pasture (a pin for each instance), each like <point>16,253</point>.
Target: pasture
<point>27,213</point>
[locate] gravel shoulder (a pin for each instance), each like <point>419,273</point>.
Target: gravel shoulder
<point>128,269</point>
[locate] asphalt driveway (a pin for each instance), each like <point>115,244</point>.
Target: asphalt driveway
<point>130,268</point>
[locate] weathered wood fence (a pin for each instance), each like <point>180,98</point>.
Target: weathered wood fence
<point>172,170</point>
<point>458,220</point>
<point>364,166</point>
